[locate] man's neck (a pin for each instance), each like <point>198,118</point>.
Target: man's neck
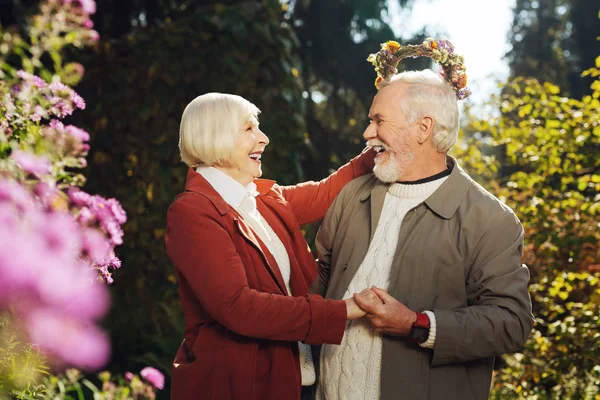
<point>423,170</point>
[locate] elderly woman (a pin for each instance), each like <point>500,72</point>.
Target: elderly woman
<point>243,266</point>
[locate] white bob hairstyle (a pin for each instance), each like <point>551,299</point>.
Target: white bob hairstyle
<point>209,126</point>
<point>426,94</point>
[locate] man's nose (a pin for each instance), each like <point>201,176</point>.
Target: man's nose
<point>370,132</point>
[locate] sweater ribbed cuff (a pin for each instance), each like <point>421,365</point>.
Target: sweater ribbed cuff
<point>430,342</point>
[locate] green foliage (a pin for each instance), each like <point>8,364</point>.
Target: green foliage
<point>22,366</point>
<point>560,360</point>
<point>540,155</point>
<point>72,385</point>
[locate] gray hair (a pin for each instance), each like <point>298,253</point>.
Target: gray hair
<point>427,94</point>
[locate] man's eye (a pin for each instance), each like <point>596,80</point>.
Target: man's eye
<point>249,129</point>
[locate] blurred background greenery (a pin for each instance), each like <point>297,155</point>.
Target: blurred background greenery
<point>303,63</point>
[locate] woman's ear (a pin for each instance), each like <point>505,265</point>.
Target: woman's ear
<point>425,129</point>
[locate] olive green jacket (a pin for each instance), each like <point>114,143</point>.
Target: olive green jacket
<point>458,254</point>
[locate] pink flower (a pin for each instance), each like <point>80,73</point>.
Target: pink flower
<point>78,101</point>
<point>94,36</point>
<point>60,234</point>
<point>88,23</point>
<point>38,113</point>
<point>117,211</point>
<point>46,192</point>
<point>154,376</point>
<point>68,341</point>
<point>56,124</point>
<point>77,133</point>
<point>59,87</point>
<point>30,163</point>
<point>129,376</point>
<point>105,267</point>
<point>96,245</point>
<point>88,6</point>
<point>36,80</point>
<point>12,192</point>
<point>21,258</point>
<point>79,197</point>
<point>77,281</point>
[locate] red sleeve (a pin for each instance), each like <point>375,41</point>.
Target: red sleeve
<point>201,247</point>
<point>310,200</point>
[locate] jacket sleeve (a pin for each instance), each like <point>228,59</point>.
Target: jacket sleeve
<point>310,200</point>
<point>203,252</point>
<point>324,245</point>
<point>498,319</point>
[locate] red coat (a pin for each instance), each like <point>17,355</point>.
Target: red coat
<point>241,328</point>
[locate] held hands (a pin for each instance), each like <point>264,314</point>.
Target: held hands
<point>352,310</point>
<point>356,312</point>
<point>388,315</point>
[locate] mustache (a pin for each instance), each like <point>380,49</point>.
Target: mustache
<point>374,142</point>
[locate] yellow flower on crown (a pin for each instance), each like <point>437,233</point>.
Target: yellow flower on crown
<point>441,51</point>
<point>392,46</point>
<point>462,81</point>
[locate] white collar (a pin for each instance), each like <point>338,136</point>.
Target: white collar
<point>228,188</point>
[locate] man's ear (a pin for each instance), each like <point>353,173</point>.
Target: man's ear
<point>425,129</point>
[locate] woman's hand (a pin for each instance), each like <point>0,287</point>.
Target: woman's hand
<point>367,297</point>
<point>352,310</point>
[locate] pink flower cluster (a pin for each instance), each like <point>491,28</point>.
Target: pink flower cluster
<point>154,376</point>
<point>45,282</point>
<point>106,216</point>
<point>38,100</point>
<point>71,16</point>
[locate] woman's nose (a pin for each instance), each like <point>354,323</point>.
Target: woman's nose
<point>263,138</point>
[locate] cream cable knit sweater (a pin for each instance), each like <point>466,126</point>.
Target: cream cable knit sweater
<point>352,370</point>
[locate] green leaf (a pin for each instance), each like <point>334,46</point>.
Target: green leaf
<point>552,124</point>
<point>525,110</point>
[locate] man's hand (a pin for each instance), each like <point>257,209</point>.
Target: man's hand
<point>390,317</point>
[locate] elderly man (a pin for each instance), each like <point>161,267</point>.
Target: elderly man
<point>442,254</point>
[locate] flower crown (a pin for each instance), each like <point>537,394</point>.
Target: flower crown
<point>442,51</point>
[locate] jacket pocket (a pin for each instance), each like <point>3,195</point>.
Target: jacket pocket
<point>192,373</point>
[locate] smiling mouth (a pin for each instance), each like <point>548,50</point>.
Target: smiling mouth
<point>255,156</point>
<point>379,149</point>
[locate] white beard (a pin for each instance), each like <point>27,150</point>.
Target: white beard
<point>392,169</point>
<point>387,171</point>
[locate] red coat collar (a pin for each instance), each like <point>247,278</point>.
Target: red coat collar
<point>196,183</point>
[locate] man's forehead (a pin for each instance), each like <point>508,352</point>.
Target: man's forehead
<point>386,99</point>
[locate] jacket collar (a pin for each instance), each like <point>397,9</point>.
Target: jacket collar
<point>197,183</point>
<point>446,199</point>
